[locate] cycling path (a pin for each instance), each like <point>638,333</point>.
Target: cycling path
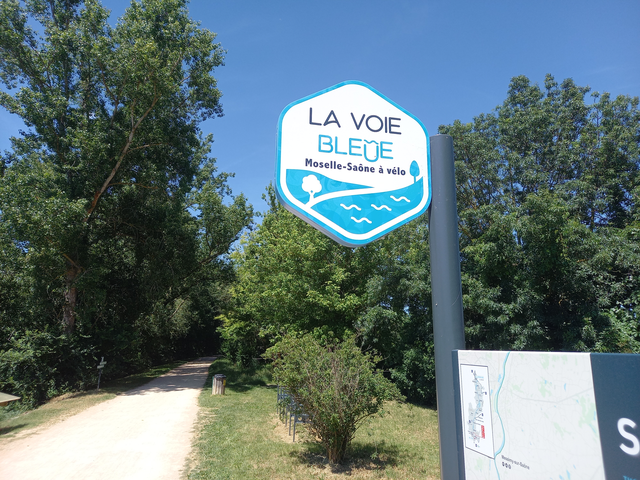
<point>145,433</point>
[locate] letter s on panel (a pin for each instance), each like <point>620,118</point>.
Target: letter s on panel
<point>635,449</point>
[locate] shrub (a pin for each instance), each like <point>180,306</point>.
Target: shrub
<point>336,385</point>
<point>39,365</point>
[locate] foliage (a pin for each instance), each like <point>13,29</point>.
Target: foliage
<point>292,278</point>
<point>335,384</point>
<point>113,220</point>
<point>397,322</point>
<point>39,365</point>
<point>548,219</point>
<point>547,201</point>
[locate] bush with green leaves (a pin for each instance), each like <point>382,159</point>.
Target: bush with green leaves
<point>40,365</point>
<point>335,383</point>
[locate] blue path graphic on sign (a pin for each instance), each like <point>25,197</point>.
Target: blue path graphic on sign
<point>353,211</point>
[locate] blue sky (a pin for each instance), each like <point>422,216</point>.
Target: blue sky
<point>441,60</point>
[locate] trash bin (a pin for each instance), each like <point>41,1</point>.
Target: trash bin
<point>219,382</point>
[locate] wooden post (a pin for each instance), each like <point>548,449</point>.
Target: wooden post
<point>218,384</point>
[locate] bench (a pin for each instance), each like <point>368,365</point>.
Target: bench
<point>6,399</point>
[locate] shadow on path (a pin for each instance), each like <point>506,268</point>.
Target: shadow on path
<point>142,434</point>
<point>5,430</point>
<point>184,377</point>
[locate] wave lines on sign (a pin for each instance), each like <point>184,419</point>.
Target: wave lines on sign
<point>363,219</point>
<point>350,207</point>
<point>401,198</point>
<point>380,207</point>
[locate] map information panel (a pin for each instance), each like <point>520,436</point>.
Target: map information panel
<point>539,416</point>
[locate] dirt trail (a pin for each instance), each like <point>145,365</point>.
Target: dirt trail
<point>144,433</point>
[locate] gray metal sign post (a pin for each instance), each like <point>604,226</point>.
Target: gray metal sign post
<point>448,321</point>
<point>100,368</point>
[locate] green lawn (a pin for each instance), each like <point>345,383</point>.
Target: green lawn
<point>240,437</point>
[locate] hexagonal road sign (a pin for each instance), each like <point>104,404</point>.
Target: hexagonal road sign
<point>352,163</point>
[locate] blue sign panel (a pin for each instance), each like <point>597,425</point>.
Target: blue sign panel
<point>352,163</point>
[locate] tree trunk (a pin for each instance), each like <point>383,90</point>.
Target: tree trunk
<point>337,451</point>
<point>70,297</point>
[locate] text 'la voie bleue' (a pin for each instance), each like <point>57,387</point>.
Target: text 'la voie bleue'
<point>371,150</point>
<point>373,123</point>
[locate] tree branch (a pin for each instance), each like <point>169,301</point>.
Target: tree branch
<point>125,150</point>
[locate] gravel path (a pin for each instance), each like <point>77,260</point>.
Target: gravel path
<point>144,433</point>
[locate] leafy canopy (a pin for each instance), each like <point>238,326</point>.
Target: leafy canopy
<point>114,222</point>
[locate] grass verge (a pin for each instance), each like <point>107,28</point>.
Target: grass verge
<point>16,424</point>
<point>240,437</point>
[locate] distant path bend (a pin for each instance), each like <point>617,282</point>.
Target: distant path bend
<point>144,433</point>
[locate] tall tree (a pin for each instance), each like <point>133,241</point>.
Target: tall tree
<point>548,188</point>
<point>547,201</point>
<point>111,209</point>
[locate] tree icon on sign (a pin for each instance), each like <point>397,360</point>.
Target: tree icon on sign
<point>414,170</point>
<point>311,185</point>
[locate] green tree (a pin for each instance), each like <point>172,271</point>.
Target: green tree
<point>292,278</point>
<point>548,218</point>
<point>397,321</point>
<point>547,201</point>
<point>97,197</point>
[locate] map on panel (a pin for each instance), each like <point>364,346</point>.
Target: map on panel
<point>529,416</point>
<point>474,383</point>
